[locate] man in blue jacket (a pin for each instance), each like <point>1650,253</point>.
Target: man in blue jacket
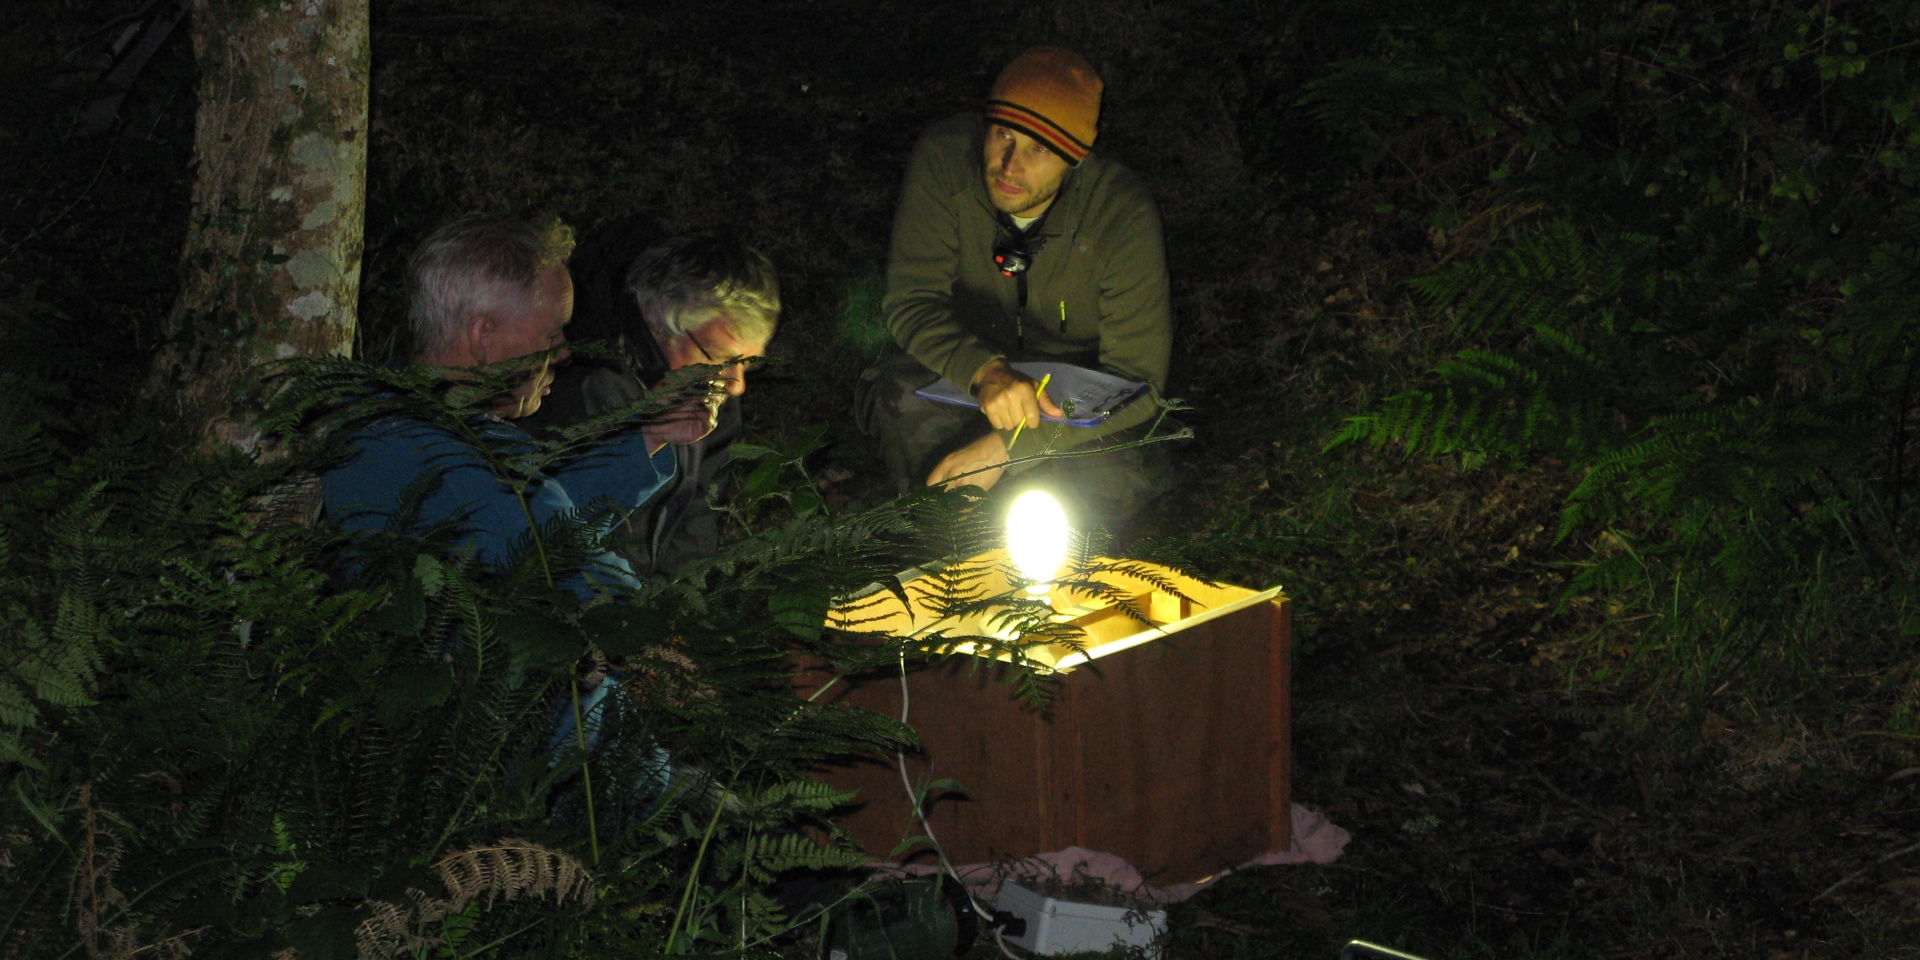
<point>484,291</point>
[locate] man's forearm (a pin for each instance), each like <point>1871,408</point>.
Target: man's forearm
<point>923,324</point>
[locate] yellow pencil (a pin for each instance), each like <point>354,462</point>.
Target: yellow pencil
<point>1022,425</point>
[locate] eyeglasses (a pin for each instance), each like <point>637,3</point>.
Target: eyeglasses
<point>747,363</point>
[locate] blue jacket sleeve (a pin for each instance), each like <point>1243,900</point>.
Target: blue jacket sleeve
<point>398,462</point>
<point>616,477</point>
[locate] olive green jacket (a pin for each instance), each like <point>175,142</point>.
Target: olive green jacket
<point>1097,290</point>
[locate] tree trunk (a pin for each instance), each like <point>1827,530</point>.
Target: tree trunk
<point>271,265</point>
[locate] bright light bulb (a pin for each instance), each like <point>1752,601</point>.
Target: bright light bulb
<point>1037,537</point>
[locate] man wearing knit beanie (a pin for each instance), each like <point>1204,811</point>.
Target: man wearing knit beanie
<point>1015,241</point>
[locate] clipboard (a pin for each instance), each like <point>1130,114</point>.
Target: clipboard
<point>1088,396</point>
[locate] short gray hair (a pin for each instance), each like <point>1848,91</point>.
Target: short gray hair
<point>678,279</point>
<point>476,264</point>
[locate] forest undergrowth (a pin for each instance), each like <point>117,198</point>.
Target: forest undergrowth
<point>1556,358</point>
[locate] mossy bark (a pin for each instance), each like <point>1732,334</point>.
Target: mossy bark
<point>271,265</point>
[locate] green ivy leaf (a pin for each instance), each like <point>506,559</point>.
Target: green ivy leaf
<point>762,481</point>
<point>806,502</point>
<point>431,573</point>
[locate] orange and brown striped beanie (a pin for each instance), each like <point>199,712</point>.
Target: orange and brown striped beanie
<point>1051,95</point>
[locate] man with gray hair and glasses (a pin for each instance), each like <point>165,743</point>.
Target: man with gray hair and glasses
<point>484,292</point>
<point>669,304</point>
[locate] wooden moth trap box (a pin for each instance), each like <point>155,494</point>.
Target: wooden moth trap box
<point>1166,741</point>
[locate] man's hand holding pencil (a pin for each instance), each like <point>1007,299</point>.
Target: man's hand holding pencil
<point>1039,393</point>
<point>1011,399</point>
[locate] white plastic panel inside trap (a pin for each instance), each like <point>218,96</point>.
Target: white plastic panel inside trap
<point>1063,926</point>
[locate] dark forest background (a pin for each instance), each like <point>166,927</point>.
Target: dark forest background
<point>1557,357</point>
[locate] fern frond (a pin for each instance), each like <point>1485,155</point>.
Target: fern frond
<point>511,868</point>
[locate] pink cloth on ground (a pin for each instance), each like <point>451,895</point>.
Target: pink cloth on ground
<point>1315,840</point>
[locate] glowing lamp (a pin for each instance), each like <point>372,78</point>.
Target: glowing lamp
<point>1037,538</point>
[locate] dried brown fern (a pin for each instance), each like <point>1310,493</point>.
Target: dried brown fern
<point>394,931</point>
<point>511,868</point>
<point>664,675</point>
<point>94,894</point>
<point>102,913</point>
<point>508,869</point>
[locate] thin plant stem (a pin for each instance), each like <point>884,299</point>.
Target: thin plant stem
<point>699,857</point>
<point>539,542</point>
<point>586,773</point>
